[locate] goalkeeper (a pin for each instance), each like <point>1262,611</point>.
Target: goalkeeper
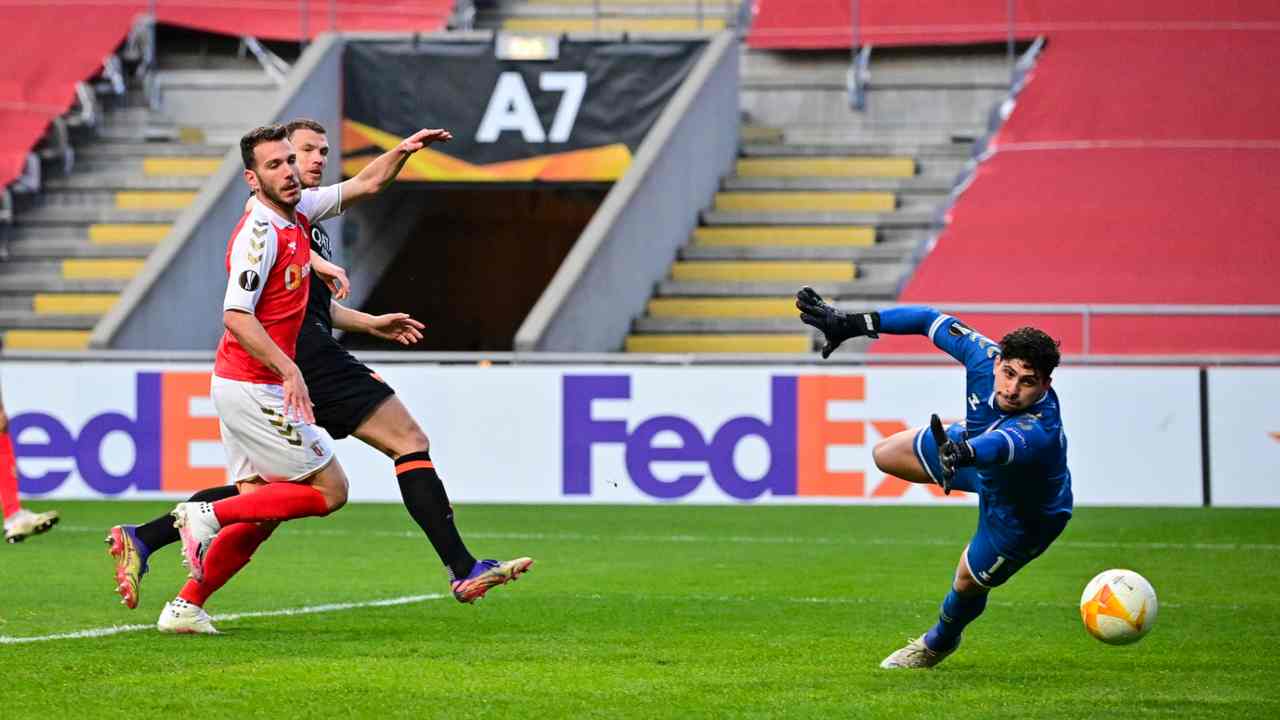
<point>1011,450</point>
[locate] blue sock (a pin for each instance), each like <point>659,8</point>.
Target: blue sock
<point>957,612</point>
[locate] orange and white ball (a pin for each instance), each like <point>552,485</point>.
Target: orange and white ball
<point>1118,607</point>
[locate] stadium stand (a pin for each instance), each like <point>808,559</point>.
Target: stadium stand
<point>136,146</point>
<point>1147,186</point>
<point>822,194</point>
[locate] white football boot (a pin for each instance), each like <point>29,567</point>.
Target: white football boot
<point>180,616</point>
<point>24,523</point>
<point>916,655</point>
<point>197,524</point>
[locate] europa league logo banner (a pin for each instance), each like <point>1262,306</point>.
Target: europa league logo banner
<point>577,117</point>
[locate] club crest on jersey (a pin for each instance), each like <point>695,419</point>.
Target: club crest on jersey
<point>249,280</point>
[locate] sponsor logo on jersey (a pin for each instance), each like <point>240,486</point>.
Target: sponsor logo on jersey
<point>321,243</point>
<point>292,277</point>
<point>249,281</point>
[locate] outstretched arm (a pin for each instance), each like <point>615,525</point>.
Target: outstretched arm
<point>380,173</point>
<point>1012,443</point>
<point>949,334</point>
<point>396,327</point>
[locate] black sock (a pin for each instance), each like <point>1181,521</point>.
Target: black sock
<point>427,502</point>
<point>160,532</point>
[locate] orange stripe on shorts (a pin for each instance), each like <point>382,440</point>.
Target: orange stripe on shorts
<point>415,465</point>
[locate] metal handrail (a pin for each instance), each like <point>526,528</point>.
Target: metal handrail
<point>1088,311</point>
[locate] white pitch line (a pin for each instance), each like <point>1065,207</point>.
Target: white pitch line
<point>765,540</point>
<point>308,610</point>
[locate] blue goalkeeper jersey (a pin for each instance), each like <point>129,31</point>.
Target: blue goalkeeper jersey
<point>1021,458</point>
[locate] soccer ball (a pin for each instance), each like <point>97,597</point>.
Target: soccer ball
<point>1118,607</point>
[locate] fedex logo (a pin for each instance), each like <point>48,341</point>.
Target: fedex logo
<point>161,432</point>
<point>797,433</point>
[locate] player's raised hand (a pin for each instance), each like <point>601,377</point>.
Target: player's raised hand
<point>297,400</point>
<point>836,325</point>
<point>396,327</point>
<point>423,138</point>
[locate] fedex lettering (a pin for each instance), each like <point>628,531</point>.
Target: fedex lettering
<point>797,433</point>
<point>161,432</point>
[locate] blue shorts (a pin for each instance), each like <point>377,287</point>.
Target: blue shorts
<point>988,565</point>
<point>992,567</point>
<point>966,478</point>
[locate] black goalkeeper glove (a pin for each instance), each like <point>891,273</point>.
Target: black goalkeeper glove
<point>951,454</point>
<point>836,325</point>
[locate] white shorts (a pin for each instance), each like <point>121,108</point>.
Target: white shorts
<point>260,442</point>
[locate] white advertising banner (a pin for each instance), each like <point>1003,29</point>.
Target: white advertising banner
<point>608,434</point>
<point>1244,436</point>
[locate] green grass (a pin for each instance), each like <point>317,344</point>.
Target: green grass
<point>653,612</point>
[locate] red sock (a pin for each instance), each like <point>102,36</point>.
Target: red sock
<point>231,549</point>
<point>275,501</point>
<point>8,478</point>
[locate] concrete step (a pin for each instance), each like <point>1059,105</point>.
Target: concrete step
<point>112,150</point>
<point>61,247</point>
<point>839,82</point>
<point>720,325</point>
<point>727,343</point>
<point>828,166</point>
<point>46,339</point>
<point>97,234</point>
<point>875,253</point>
<point>855,133</point>
<point>74,268</point>
<point>870,289</point>
<point>801,201</point>
<point>763,271</point>
<point>143,132</point>
<point>722,307</point>
<point>909,185</point>
<point>84,215</point>
<point>786,106</point>
<point>10,319</point>
<point>945,64</point>
<point>120,199</point>
<point>776,235</point>
<point>961,150</point>
<point>117,181</point>
<point>53,283</point>
<point>214,80</point>
<point>900,219</point>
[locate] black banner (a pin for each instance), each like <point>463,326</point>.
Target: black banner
<point>576,118</point>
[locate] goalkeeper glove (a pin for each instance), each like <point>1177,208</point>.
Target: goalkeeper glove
<point>951,454</point>
<point>836,325</point>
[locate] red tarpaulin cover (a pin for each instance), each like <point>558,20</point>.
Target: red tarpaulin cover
<point>818,24</point>
<point>1136,168</point>
<point>47,47</point>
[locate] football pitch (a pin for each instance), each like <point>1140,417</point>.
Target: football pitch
<point>644,612</point>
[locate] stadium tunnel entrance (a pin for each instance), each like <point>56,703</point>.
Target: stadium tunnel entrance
<point>468,262</point>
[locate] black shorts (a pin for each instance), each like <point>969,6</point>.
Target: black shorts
<point>344,390</point>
